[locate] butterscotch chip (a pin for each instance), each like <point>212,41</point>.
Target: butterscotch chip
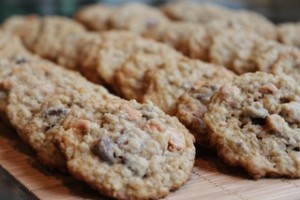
<point>254,124</point>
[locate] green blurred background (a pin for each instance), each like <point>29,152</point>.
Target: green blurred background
<point>276,10</point>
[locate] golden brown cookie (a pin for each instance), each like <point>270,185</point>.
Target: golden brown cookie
<point>254,123</point>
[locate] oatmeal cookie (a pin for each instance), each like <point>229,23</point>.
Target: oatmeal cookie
<point>136,17</point>
<point>209,13</point>
<point>119,53</point>
<point>254,123</point>
<point>266,54</point>
<point>124,149</point>
<point>28,84</point>
<point>91,45</point>
<point>95,17</point>
<point>194,12</point>
<point>166,84</point>
<point>288,63</point>
<point>11,46</point>
<point>48,112</point>
<point>257,23</point>
<point>288,33</point>
<point>129,78</point>
<point>197,44</point>
<point>27,28</point>
<point>53,31</point>
<point>192,105</point>
<point>174,34</point>
<point>233,49</point>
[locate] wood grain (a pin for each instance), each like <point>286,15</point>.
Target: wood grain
<point>211,179</point>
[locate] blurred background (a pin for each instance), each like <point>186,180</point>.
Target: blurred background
<point>276,10</point>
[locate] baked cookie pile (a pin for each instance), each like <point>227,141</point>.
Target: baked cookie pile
<point>122,148</point>
<point>234,83</point>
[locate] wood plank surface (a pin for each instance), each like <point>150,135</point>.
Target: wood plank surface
<point>211,179</point>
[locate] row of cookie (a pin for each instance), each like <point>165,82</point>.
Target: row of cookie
<point>229,44</point>
<point>122,148</point>
<point>152,23</point>
<point>286,33</point>
<point>66,42</point>
<point>135,67</point>
<point>247,122</point>
<point>193,39</point>
<point>241,127</point>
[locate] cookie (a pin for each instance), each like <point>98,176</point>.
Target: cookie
<point>27,28</point>
<point>288,63</point>
<point>121,148</point>
<point>192,105</point>
<point>267,52</point>
<point>82,49</point>
<point>129,78</point>
<point>11,46</point>
<point>197,44</point>
<point>166,84</point>
<point>91,45</point>
<point>119,52</point>
<point>174,34</point>
<point>254,124</point>
<point>233,49</point>
<point>256,22</point>
<point>47,35</point>
<point>49,113</point>
<point>32,83</point>
<point>52,32</point>
<point>200,13</point>
<point>209,13</point>
<point>288,33</point>
<point>136,17</point>
<point>11,75</point>
<point>95,17</point>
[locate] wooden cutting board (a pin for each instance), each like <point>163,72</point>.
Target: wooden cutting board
<point>211,179</point>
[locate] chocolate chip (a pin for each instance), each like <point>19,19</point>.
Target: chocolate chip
<point>56,111</point>
<point>285,100</point>
<point>296,149</point>
<point>104,149</point>
<point>21,60</point>
<point>258,121</point>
